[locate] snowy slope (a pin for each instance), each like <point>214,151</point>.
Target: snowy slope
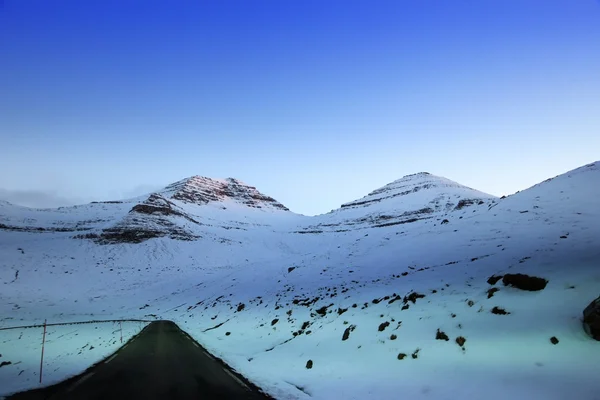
<point>269,290</point>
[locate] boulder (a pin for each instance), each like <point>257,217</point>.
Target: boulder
<point>591,319</point>
<point>524,282</point>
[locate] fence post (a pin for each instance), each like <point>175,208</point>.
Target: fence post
<point>43,344</point>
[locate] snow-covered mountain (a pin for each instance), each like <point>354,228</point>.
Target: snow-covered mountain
<point>201,190</point>
<point>412,198</point>
<point>368,292</point>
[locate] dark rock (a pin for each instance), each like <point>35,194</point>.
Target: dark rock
<point>401,356</point>
<point>276,320</point>
<point>415,355</point>
<point>240,307</point>
<point>465,203</point>
<point>591,319</point>
<point>290,269</point>
<point>554,340</point>
<point>4,363</point>
<point>441,336</point>
<point>393,337</point>
<point>460,341</point>
<point>413,297</point>
<point>383,325</point>
<point>524,282</point>
<point>490,292</point>
<point>323,310</point>
<point>499,311</point>
<point>492,280</point>
<point>445,222</point>
<point>349,329</point>
<point>309,364</point>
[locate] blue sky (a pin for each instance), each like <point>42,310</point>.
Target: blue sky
<point>315,103</point>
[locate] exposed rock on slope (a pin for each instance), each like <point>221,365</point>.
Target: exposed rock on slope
<point>201,190</point>
<point>591,319</point>
<point>155,217</point>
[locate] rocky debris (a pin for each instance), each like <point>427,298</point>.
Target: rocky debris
<point>276,320</point>
<point>240,307</point>
<point>445,221</point>
<point>309,364</point>
<point>393,337</point>
<point>349,329</point>
<point>554,340</point>
<point>290,269</point>
<point>490,292</point>
<point>461,341</point>
<point>402,356</point>
<point>4,363</point>
<point>591,319</point>
<point>524,282</point>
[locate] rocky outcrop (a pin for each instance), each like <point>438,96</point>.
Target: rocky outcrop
<point>591,319</point>
<point>154,218</point>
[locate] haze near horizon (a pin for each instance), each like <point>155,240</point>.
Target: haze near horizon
<point>314,103</point>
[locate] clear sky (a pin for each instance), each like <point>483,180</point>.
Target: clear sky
<point>314,102</point>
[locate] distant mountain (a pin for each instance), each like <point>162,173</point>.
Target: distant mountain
<point>185,209</point>
<point>416,189</point>
<point>413,198</point>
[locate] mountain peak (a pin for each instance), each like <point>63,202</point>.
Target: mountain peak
<point>202,190</point>
<point>431,188</point>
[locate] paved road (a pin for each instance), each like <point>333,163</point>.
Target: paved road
<point>161,363</point>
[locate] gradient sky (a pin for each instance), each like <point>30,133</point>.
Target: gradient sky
<point>314,102</point>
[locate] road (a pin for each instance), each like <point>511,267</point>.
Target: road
<point>162,362</point>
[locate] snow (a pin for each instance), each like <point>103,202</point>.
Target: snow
<point>255,258</point>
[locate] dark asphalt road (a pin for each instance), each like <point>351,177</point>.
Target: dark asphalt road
<point>161,363</point>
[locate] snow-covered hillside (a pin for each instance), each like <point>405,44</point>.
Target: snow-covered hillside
<point>368,293</point>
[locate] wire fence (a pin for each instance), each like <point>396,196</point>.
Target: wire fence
<point>19,368</point>
<point>76,323</point>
